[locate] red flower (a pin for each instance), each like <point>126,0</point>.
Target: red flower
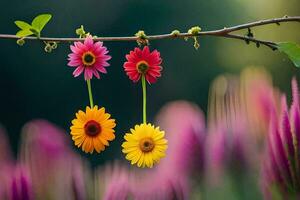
<point>143,62</point>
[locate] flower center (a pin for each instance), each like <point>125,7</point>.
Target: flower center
<point>88,58</point>
<point>142,67</point>
<point>146,144</point>
<point>92,128</point>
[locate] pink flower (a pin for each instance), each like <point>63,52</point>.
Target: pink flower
<point>143,62</point>
<point>20,186</point>
<point>51,162</point>
<point>280,169</point>
<point>229,147</point>
<point>186,137</point>
<point>121,183</point>
<point>89,57</point>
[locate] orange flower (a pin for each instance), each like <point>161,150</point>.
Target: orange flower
<point>91,130</point>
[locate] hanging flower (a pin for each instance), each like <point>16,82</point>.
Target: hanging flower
<point>92,129</point>
<point>143,62</point>
<point>145,145</point>
<point>89,57</point>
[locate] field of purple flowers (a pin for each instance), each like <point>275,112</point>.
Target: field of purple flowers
<point>246,147</point>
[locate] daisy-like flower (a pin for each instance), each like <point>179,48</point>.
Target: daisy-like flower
<point>143,62</point>
<point>145,145</point>
<point>92,129</point>
<point>89,57</point>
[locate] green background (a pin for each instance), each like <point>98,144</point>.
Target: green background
<point>35,84</point>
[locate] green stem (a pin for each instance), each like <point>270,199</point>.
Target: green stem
<point>90,92</point>
<point>144,99</point>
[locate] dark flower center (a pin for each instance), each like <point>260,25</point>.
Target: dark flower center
<point>88,58</point>
<point>146,144</point>
<point>92,128</point>
<point>142,67</point>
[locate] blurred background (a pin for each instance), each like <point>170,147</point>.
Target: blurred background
<point>39,85</point>
<point>35,84</point>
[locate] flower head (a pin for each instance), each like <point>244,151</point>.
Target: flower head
<point>92,129</point>
<point>281,162</point>
<point>89,57</point>
<point>116,180</point>
<point>186,138</point>
<point>119,182</point>
<point>48,158</point>
<point>259,99</point>
<point>143,62</point>
<point>145,145</point>
<point>230,143</point>
<point>229,148</point>
<point>20,187</point>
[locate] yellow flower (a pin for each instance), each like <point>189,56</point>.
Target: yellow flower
<point>145,145</point>
<point>92,129</point>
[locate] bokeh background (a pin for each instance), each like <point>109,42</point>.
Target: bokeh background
<point>35,84</point>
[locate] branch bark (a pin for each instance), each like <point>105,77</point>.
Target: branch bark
<point>225,32</point>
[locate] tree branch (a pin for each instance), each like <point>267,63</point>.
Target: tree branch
<point>225,32</point>
<point>258,42</point>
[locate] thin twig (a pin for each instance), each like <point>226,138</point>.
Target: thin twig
<point>225,32</point>
<point>258,42</point>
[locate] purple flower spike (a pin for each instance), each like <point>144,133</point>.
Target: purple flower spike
<point>228,148</point>
<point>47,153</point>
<point>280,173</point>
<point>184,125</point>
<point>295,118</point>
<point>21,188</point>
<point>122,184</point>
<point>286,133</point>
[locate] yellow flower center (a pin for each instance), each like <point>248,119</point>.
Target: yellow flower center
<point>92,128</point>
<point>146,144</point>
<point>88,58</point>
<point>142,67</point>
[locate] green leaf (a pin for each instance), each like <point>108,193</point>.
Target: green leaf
<point>40,21</point>
<point>292,50</point>
<point>37,33</point>
<point>24,33</point>
<point>22,25</point>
